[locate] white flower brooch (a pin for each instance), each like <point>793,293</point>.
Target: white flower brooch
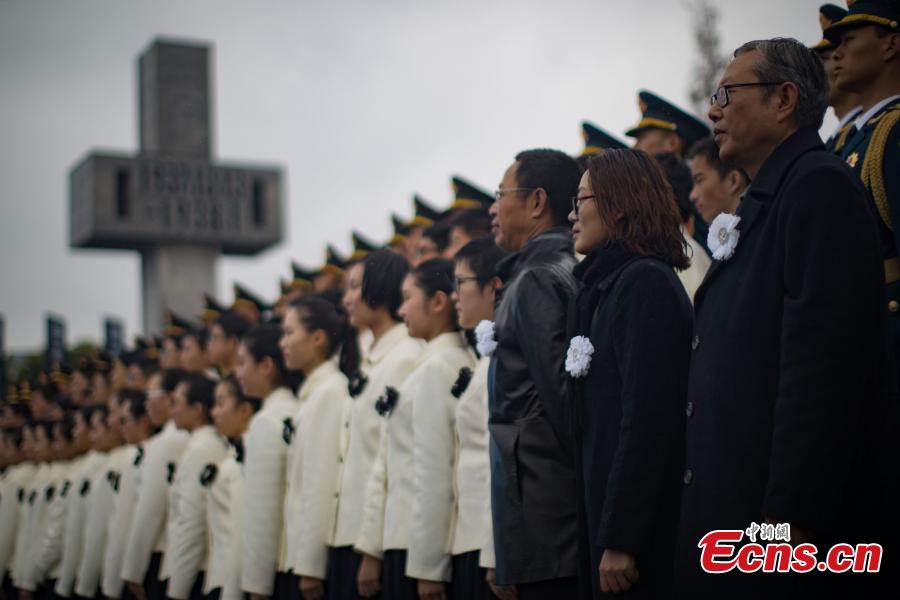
<point>484,338</point>
<point>578,356</point>
<point>723,236</point>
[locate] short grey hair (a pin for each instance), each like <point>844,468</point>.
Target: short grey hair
<point>786,59</point>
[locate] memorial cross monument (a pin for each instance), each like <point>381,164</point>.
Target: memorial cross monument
<point>171,203</point>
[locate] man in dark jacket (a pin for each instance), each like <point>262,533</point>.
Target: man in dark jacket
<point>789,421</point>
<point>532,452</point>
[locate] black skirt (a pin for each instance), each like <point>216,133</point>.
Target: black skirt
<point>155,589</point>
<point>469,581</point>
<point>343,567</point>
<point>287,586</point>
<point>394,582</point>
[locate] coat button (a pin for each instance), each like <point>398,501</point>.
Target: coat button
<point>346,424</point>
<point>689,409</point>
<point>893,306</point>
<point>695,342</point>
<point>688,476</point>
<point>340,459</point>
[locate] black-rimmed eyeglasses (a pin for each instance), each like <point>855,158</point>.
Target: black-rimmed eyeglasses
<point>458,281</point>
<point>721,96</point>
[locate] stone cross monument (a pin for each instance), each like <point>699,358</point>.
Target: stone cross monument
<point>171,203</point>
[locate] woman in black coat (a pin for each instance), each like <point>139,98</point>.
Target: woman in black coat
<point>628,364</point>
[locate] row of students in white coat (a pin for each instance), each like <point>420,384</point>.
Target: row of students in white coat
<point>67,499</point>
<point>370,480</point>
<point>373,479</point>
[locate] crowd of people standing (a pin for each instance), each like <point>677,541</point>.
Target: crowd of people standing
<point>557,390</point>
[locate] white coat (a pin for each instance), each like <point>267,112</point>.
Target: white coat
<point>265,474</point>
<point>316,468</point>
<point>387,363</point>
<point>147,533</point>
<point>185,554</point>
<point>225,513</point>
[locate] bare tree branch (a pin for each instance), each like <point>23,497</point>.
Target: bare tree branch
<point>710,60</point>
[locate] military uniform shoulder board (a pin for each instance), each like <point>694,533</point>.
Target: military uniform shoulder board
<point>872,172</point>
<point>65,488</point>
<point>462,382</point>
<point>208,475</point>
<point>287,434</point>
<point>170,477</point>
<point>139,457</point>
<point>48,493</point>
<point>842,135</point>
<point>86,487</point>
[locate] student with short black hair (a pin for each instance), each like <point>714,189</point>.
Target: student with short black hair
<point>232,412</point>
<point>40,491</point>
<point>136,429</point>
<point>183,563</point>
<point>407,517</point>
<point>224,338</point>
<point>262,374</point>
<point>465,226</point>
<point>471,542</point>
<point>77,504</point>
<point>49,545</point>
<point>107,441</point>
<point>372,300</point>
<point>717,184</point>
<point>17,471</point>
<point>154,465</point>
<point>192,354</point>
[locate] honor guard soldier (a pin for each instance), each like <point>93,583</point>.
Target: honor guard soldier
<point>666,129</point>
<point>362,247</point>
<point>845,104</point>
<point>249,305</point>
<point>596,141</point>
<point>868,60</point>
<point>331,275</point>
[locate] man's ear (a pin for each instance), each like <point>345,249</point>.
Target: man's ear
<point>786,97</point>
<point>673,143</point>
<point>734,181</point>
<point>891,47</point>
<point>538,203</point>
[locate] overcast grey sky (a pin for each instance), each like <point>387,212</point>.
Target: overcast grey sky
<point>361,102</point>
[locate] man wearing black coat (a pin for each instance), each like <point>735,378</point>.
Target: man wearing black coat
<point>533,493</point>
<point>789,420</point>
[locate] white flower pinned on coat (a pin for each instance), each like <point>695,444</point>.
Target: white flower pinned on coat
<point>723,236</point>
<point>578,356</point>
<point>484,338</point>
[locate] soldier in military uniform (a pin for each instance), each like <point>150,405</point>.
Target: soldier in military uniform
<point>401,233</point>
<point>596,141</point>
<point>666,129</point>
<point>867,57</point>
<point>331,275</point>
<point>249,305</point>
<point>844,103</point>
